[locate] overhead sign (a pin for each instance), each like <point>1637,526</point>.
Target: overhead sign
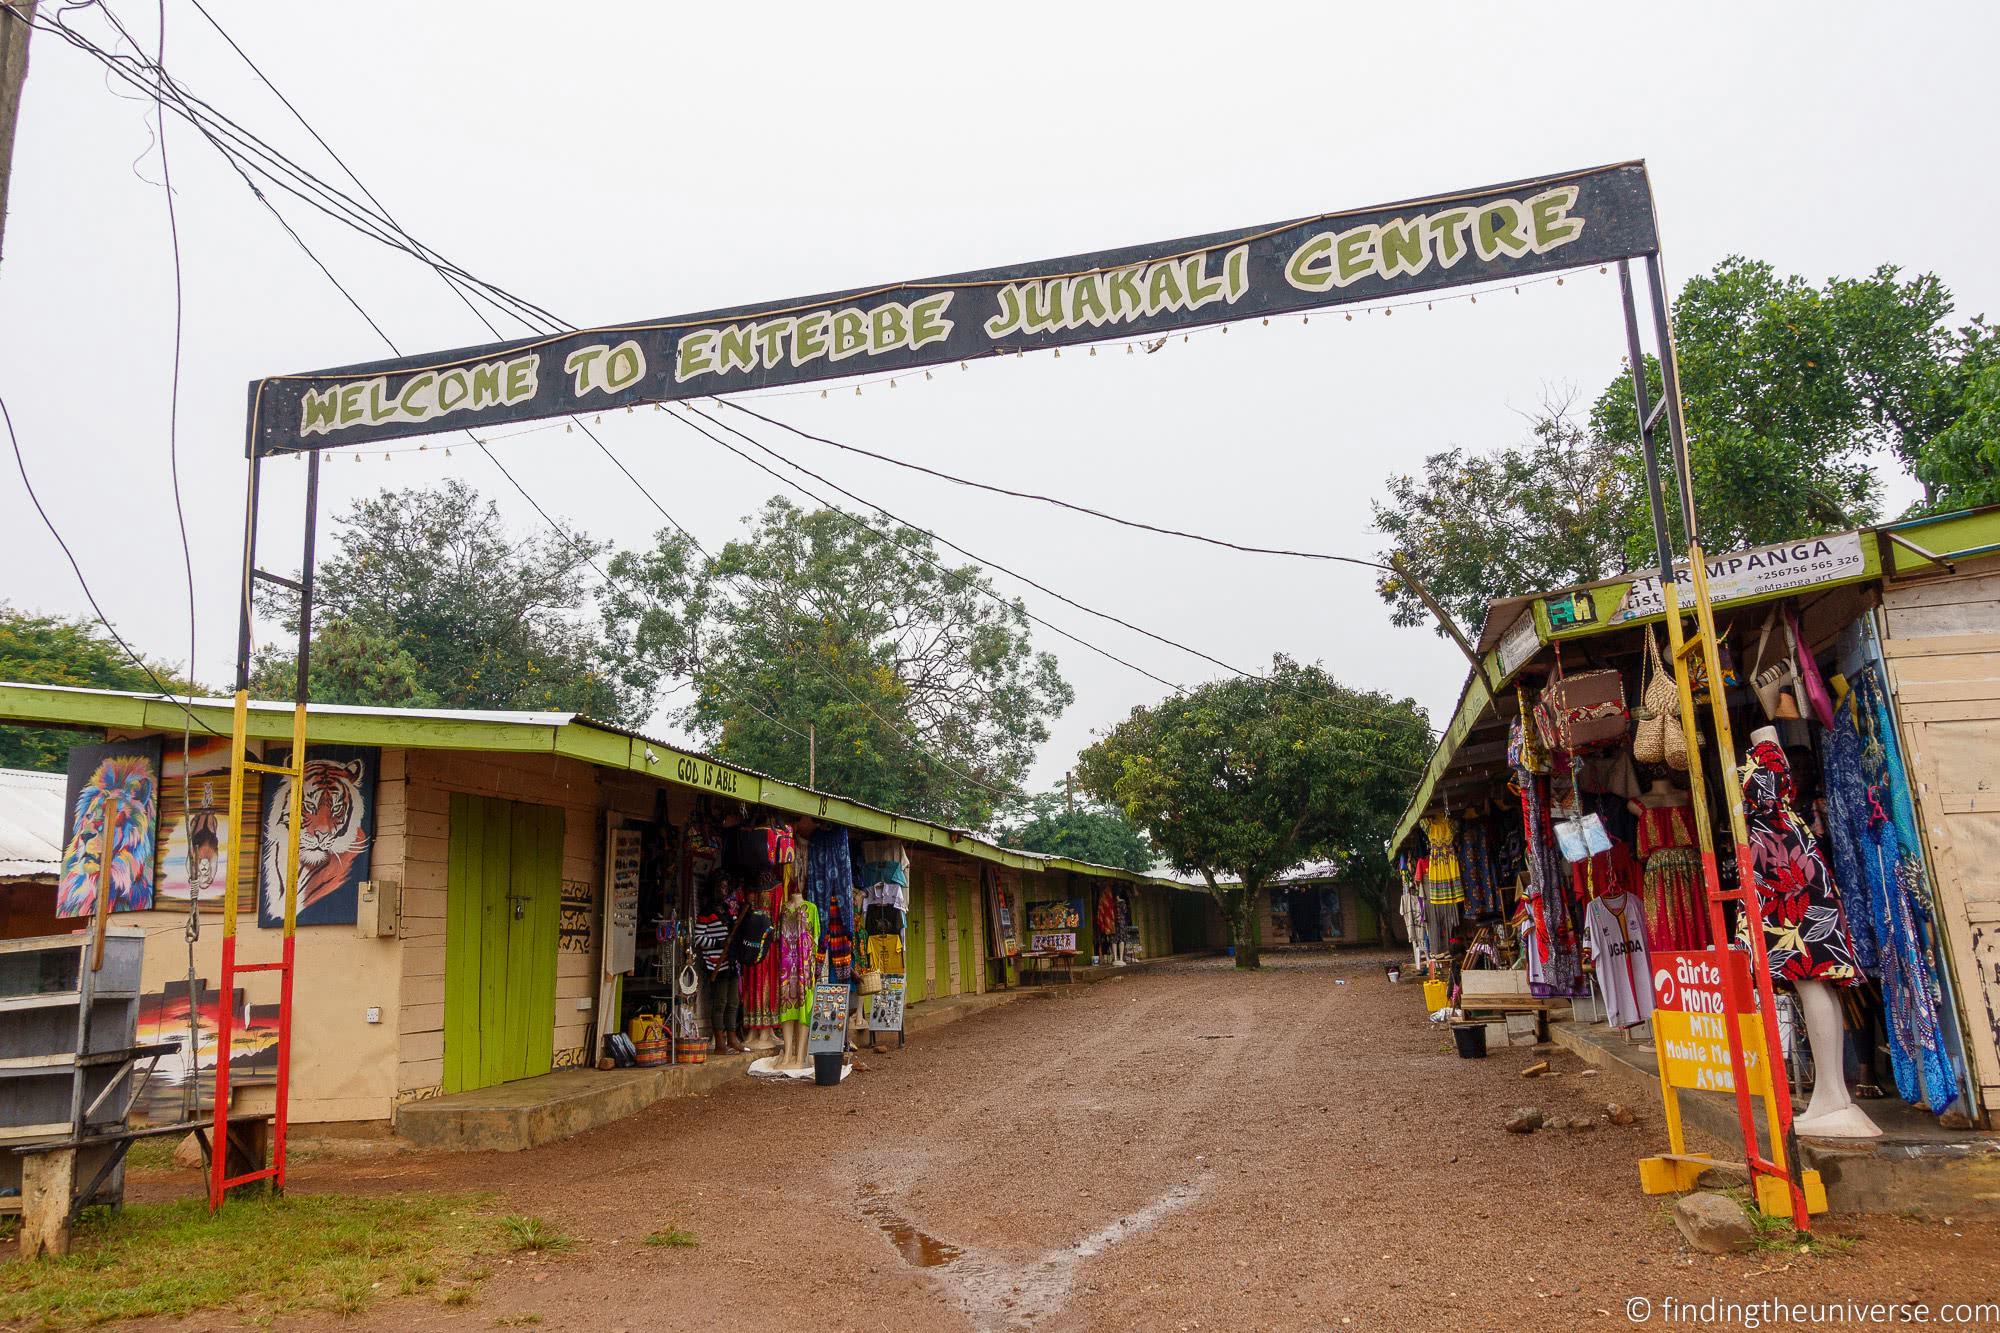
<point>1146,291</point>
<point>1758,572</point>
<point>1690,1022</point>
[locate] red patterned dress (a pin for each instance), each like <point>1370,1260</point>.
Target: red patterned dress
<point>1805,931</point>
<point>1671,887</point>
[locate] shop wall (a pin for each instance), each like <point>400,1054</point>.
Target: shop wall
<point>1942,643</point>
<point>343,1066</point>
<point>427,778</point>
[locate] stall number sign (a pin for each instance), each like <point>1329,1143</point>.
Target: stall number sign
<point>622,935</point>
<point>1053,941</point>
<point>828,1032</point>
<point>1689,1022</point>
<point>885,1006</point>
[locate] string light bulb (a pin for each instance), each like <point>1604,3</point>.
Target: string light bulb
<point>1128,349</point>
<point>1475,300</point>
<point>1305,319</point>
<point>892,383</point>
<point>1058,353</point>
<point>1388,311</point>
<point>1350,317</point>
<point>447,451</point>
<point>822,393</point>
<point>1559,281</point>
<point>1093,351</point>
<point>927,374</point>
<point>600,418</point>
<point>569,428</point>
<point>857,391</point>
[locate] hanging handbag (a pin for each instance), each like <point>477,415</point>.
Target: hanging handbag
<point>1661,703</point>
<point>1810,678</point>
<point>1583,709</point>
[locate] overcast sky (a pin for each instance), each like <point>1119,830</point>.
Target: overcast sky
<point>621,161</point>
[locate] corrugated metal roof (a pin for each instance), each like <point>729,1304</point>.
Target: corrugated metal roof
<point>476,729</point>
<point>31,822</point>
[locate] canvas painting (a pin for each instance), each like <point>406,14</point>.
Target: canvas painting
<point>195,839</point>
<point>119,780</point>
<point>163,1017</point>
<point>336,837</point>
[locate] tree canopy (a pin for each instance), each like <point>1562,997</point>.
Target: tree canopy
<point>922,684</point>
<point>428,599</point>
<point>1241,779</point>
<point>1095,833</point>
<point>53,650</point>
<point>1791,393</point>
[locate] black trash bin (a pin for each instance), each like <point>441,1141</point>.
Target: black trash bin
<point>826,1067</point>
<point>1471,1039</point>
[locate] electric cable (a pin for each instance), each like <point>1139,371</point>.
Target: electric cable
<point>102,619</point>
<point>1047,499</point>
<point>454,277</point>
<point>1352,709</point>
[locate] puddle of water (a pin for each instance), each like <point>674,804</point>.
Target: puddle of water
<point>919,1249</point>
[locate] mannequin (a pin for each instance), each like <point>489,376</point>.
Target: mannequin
<point>798,943</point>
<point>1780,840</point>
<point>1676,916</point>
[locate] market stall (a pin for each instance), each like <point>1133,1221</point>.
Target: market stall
<point>1550,854</point>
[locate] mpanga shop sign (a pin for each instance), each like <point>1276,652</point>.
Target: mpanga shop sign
<point>1499,232</point>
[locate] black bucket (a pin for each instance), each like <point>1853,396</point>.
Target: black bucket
<point>1471,1039</point>
<point>826,1067</point>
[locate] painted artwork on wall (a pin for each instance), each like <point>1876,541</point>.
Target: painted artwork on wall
<point>122,777</point>
<point>253,1047</point>
<point>336,837</point>
<point>194,841</point>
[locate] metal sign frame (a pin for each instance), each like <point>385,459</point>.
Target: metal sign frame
<point>1545,224</point>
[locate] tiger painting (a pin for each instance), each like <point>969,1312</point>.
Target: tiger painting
<point>336,808</point>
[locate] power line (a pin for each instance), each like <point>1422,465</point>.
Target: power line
<point>1047,499</point>
<point>102,619</point>
<point>454,277</point>
<point>1352,709</point>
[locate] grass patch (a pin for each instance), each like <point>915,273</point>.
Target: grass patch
<point>154,1154</point>
<point>517,1321</point>
<point>673,1238</point>
<point>259,1256</point>
<point>532,1233</point>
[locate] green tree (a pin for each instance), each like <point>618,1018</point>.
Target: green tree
<point>53,650</point>
<point>1241,779</point>
<point>351,664</point>
<point>1098,834</point>
<point>1960,467</point>
<point>429,599</point>
<point>1789,391</point>
<point>923,687</point>
<point>1475,527</point>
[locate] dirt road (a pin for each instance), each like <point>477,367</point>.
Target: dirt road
<point>1181,1147</point>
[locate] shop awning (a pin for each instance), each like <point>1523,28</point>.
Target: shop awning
<point>1519,630</point>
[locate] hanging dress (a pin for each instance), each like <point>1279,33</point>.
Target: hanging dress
<point>1671,887</point>
<point>759,982</point>
<point>798,948</point>
<point>1805,932</point>
<point>1925,1075</point>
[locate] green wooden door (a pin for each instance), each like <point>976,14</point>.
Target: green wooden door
<point>913,945</point>
<point>502,885</point>
<point>968,965</point>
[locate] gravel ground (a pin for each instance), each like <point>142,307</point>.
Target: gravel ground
<point>1180,1147</point>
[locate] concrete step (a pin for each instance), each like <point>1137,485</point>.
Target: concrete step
<point>1917,1166</point>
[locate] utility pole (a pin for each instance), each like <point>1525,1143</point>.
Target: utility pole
<point>1069,794</point>
<point>15,16</point>
<point>812,755</point>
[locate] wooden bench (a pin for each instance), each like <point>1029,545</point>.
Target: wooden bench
<point>51,1202</point>
<point>1050,963</point>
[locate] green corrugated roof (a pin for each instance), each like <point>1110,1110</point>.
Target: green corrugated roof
<point>571,735</point>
